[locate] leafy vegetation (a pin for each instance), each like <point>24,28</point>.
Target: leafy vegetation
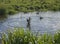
<point>19,36</point>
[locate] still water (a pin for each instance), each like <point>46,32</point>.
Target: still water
<point>50,22</point>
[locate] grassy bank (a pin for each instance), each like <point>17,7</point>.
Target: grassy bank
<point>11,7</point>
<point>15,6</point>
<point>19,36</point>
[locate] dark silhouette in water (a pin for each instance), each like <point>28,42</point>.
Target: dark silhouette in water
<point>41,18</point>
<point>28,23</point>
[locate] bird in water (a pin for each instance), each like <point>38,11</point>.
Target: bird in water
<point>28,22</point>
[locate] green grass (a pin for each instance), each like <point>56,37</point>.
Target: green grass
<point>15,6</point>
<point>19,36</point>
<point>30,5</point>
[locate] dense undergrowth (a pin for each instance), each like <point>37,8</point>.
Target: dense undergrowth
<point>19,36</point>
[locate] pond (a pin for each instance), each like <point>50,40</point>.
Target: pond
<point>43,22</point>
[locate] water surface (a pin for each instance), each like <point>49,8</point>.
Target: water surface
<point>50,22</point>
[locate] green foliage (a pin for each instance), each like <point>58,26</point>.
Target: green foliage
<point>19,36</point>
<point>11,12</point>
<point>57,38</point>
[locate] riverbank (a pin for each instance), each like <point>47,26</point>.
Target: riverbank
<point>16,6</point>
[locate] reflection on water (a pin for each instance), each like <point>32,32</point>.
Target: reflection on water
<point>43,22</point>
